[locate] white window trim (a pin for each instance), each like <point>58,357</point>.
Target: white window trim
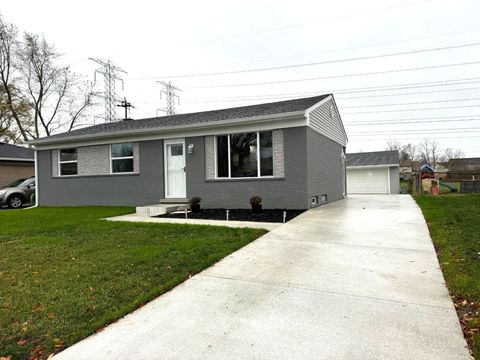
<point>122,158</point>
<point>259,176</point>
<point>60,162</point>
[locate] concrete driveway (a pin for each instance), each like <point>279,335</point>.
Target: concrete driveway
<point>356,279</point>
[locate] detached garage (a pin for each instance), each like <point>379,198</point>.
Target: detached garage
<point>373,173</point>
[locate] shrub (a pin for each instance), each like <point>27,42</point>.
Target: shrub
<point>195,200</point>
<point>255,200</point>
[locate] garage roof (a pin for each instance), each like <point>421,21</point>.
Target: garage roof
<point>374,158</point>
<point>14,152</point>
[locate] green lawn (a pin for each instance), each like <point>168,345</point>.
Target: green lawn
<point>65,273</point>
<point>454,223</point>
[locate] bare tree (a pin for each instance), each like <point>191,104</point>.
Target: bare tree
<point>393,145</point>
<point>31,73</point>
<point>408,152</point>
<point>450,153</point>
<point>429,152</point>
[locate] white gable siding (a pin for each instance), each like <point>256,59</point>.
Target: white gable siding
<point>326,120</point>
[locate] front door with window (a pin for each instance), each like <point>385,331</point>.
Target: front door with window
<point>175,180</point>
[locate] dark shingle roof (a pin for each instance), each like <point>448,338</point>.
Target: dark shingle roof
<point>234,114</point>
<point>8,151</point>
<point>372,158</point>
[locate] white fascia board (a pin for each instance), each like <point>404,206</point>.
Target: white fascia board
<point>254,123</point>
<point>340,116</point>
<point>314,106</point>
<point>16,159</point>
<point>372,166</point>
<point>320,103</point>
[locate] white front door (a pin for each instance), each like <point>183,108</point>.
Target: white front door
<point>175,180</point>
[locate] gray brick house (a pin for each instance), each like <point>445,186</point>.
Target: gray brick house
<point>291,153</point>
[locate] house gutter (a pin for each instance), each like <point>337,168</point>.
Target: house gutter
<point>48,142</point>
<point>16,159</point>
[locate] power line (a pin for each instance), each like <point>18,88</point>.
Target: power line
<point>412,138</point>
<point>358,58</point>
<point>348,48</point>
<point>410,93</point>
<point>350,97</point>
<point>410,122</point>
<point>361,13</point>
<point>422,118</point>
<point>336,76</point>
<point>400,131</point>
<point>421,109</point>
<point>409,103</point>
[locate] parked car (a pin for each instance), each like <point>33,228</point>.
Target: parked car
<point>17,193</point>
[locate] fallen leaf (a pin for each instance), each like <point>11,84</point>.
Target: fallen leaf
<point>5,358</point>
<point>38,308</point>
<point>51,316</point>
<point>22,342</point>
<point>58,342</point>
<point>35,273</point>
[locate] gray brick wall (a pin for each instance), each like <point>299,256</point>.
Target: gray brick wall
<point>288,192</point>
<point>210,157</point>
<point>144,188</point>
<point>292,191</point>
<point>278,148</point>
<point>94,160</point>
<point>325,167</point>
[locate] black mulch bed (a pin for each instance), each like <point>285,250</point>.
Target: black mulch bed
<point>267,215</point>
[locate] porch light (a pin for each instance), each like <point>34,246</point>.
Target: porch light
<point>190,148</point>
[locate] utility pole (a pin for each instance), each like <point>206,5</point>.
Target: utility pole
<point>111,74</point>
<point>125,104</point>
<point>170,92</point>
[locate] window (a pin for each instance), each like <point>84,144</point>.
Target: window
<point>67,159</point>
<point>239,155</point>
<point>122,158</point>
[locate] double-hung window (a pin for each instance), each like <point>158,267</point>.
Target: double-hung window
<point>244,155</point>
<point>121,158</point>
<point>67,159</point>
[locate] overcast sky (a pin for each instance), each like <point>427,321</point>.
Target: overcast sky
<point>159,40</point>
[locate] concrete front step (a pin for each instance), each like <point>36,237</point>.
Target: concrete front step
<point>160,209</point>
<point>174,201</point>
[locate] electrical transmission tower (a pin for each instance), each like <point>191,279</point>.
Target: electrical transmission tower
<point>111,74</point>
<point>170,92</point>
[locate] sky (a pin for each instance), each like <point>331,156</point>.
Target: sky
<point>401,70</point>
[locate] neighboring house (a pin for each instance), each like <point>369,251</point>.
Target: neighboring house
<point>16,162</point>
<point>408,168</point>
<point>373,173</point>
<point>464,169</point>
<point>291,153</point>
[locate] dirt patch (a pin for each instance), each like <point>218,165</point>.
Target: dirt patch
<point>267,215</point>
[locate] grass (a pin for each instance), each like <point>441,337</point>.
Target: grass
<point>453,220</point>
<point>65,273</point>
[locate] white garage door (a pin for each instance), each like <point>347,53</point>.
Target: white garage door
<point>367,181</point>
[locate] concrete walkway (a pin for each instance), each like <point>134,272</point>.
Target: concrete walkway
<point>232,224</point>
<point>356,279</point>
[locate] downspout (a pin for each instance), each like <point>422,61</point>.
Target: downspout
<point>36,179</point>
